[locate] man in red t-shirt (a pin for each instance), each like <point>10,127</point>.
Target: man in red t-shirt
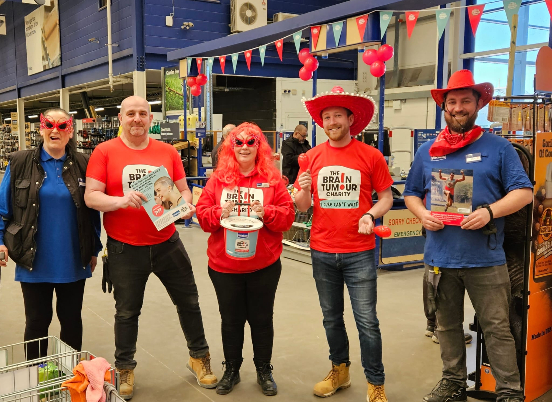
<point>135,247</point>
<point>341,175</point>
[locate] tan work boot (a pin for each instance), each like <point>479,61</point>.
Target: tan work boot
<point>201,369</point>
<point>376,393</point>
<point>126,389</point>
<point>337,378</point>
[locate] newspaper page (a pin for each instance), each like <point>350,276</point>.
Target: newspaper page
<point>165,203</point>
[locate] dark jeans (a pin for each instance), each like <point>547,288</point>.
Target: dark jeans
<point>38,314</point>
<point>247,297</point>
<point>358,271</point>
<point>129,269</point>
<point>431,319</point>
<point>489,291</point>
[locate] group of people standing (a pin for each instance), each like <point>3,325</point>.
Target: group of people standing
<point>56,246</point>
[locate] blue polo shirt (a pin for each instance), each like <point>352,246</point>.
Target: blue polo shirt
<point>498,172</point>
<point>57,258</point>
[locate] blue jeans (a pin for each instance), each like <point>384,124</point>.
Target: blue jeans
<point>358,271</point>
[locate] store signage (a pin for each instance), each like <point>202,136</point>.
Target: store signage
<point>172,85</point>
<point>170,131</point>
<point>43,39</point>
<point>2,25</point>
<point>201,131</point>
<point>13,122</point>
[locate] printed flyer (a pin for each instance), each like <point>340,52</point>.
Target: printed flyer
<point>165,203</point>
<point>451,195</point>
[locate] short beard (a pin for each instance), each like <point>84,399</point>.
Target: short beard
<point>454,125</point>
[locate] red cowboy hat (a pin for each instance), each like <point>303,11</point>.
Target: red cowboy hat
<point>463,79</point>
<point>361,106</point>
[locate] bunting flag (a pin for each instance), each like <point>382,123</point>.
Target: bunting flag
<point>262,52</point>
<point>199,60</point>
<point>385,19</point>
<point>442,16</point>
<point>315,33</point>
<point>210,62</point>
<point>234,61</point>
<point>222,61</point>
<point>549,5</point>
<point>411,18</point>
<point>475,13</point>
<point>337,28</point>
<point>297,39</point>
<point>280,48</point>
<point>248,59</point>
<point>361,25</point>
<point>511,7</point>
<point>189,60</point>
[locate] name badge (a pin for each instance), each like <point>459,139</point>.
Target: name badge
<point>438,158</point>
<point>471,158</point>
<point>82,183</point>
<point>263,185</point>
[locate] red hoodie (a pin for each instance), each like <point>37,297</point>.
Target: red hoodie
<point>279,216</point>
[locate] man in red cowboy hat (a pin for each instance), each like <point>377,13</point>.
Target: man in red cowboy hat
<point>341,175</point>
<point>470,256</point>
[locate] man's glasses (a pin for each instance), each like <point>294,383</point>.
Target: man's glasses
<point>250,142</point>
<point>47,124</point>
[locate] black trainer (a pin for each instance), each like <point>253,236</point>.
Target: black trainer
<point>265,379</point>
<point>230,378</point>
<point>447,391</point>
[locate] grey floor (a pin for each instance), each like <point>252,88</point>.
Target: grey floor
<point>411,360</point>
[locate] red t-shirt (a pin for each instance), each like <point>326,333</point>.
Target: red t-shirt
<point>116,165</point>
<point>342,184</point>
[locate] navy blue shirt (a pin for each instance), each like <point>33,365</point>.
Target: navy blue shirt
<point>498,172</point>
<point>57,258</point>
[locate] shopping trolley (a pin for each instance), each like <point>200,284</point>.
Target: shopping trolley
<point>40,380</point>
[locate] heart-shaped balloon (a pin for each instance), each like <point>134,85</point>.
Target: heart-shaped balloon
<point>382,231</point>
<point>303,160</point>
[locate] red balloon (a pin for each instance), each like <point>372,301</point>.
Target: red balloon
<point>382,231</point>
<point>201,79</point>
<point>337,89</point>
<point>369,56</point>
<point>377,68</point>
<point>305,74</point>
<point>385,53</point>
<point>191,81</point>
<point>311,64</point>
<point>303,54</point>
<point>303,160</point>
<point>195,90</point>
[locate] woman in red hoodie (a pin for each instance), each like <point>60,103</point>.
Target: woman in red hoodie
<point>246,289</point>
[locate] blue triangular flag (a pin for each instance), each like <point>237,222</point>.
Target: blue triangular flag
<point>385,19</point>
<point>262,52</point>
<point>297,39</point>
<point>442,16</point>
<point>234,61</point>
<point>189,60</point>
<point>210,61</point>
<point>511,7</point>
<point>337,28</point>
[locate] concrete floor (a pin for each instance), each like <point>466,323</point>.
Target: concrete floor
<point>411,360</point>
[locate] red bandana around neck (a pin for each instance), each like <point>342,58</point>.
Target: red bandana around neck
<point>447,142</point>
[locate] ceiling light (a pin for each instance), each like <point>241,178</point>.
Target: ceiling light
<point>72,112</point>
<point>34,116</point>
<point>157,102</point>
<point>100,109</point>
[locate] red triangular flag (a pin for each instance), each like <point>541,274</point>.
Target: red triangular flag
<point>199,60</point>
<point>475,13</point>
<point>361,25</point>
<point>248,59</point>
<point>411,18</point>
<point>222,61</point>
<point>315,33</point>
<point>549,5</point>
<point>280,47</point>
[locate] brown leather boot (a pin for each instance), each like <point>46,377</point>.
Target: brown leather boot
<point>201,369</point>
<point>126,389</point>
<point>337,378</point>
<point>376,393</point>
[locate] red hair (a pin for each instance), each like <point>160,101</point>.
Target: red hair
<point>228,168</point>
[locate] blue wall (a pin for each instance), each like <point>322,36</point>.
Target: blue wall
<point>82,61</point>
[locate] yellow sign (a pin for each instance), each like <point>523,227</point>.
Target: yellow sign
<point>13,123</point>
<point>402,223</point>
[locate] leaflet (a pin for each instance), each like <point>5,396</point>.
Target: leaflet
<point>165,203</point>
<point>451,195</point>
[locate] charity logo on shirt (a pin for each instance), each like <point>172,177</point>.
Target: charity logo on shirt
<point>339,187</point>
<point>131,173</point>
<point>242,195</point>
